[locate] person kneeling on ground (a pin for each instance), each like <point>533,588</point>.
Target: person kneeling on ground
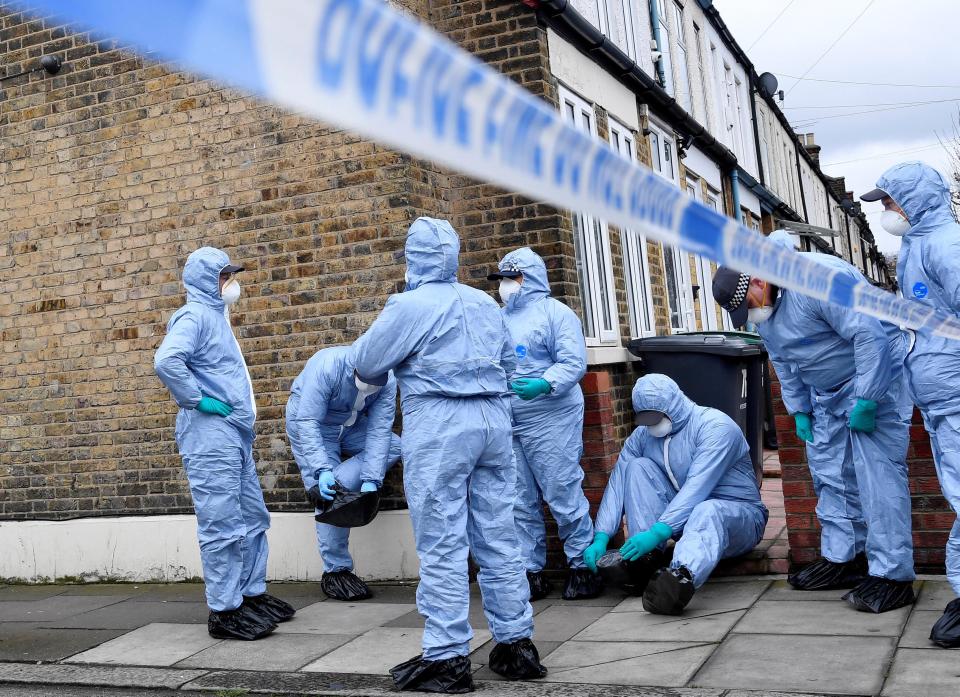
<point>684,473</point>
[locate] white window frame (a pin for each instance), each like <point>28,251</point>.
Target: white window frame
<point>708,313</point>
<point>601,323</point>
<point>664,47</point>
<point>702,82</point>
<point>636,264</point>
<point>629,24</point>
<point>684,94</point>
<point>713,201</point>
<point>662,145</point>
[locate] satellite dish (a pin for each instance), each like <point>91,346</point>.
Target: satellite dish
<point>767,85</point>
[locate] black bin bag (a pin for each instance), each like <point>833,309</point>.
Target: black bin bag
<point>349,509</point>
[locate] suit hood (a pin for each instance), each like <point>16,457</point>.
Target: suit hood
<point>656,392</point>
<point>432,252</point>
<point>201,276</point>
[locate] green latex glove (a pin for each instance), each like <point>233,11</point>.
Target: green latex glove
<point>646,541</point>
<point>528,388</point>
<point>804,426</point>
<point>863,418</point>
<point>209,405</point>
<point>596,550</point>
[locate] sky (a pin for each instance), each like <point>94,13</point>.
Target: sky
<point>891,42</point>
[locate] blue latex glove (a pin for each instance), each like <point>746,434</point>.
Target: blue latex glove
<point>368,486</point>
<point>804,426</point>
<point>209,405</point>
<point>596,550</point>
<point>325,481</point>
<point>863,417</point>
<point>528,388</point>
<point>646,541</point>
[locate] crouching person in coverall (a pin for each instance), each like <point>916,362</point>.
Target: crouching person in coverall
<point>685,473</point>
<point>200,362</point>
<point>331,412</point>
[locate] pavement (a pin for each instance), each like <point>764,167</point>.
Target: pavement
<point>740,636</point>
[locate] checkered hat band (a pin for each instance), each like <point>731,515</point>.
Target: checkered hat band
<point>743,285</point>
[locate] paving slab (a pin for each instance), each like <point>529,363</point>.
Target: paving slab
<point>154,645</point>
<point>781,590</point>
<point>562,622</point>
<point>115,676</point>
<point>659,664</point>
<point>130,615</point>
<point>922,673</point>
<point>642,626</point>
<point>175,592</point>
<point>394,594</point>
<point>829,619</point>
<point>279,652</point>
<point>377,651</point>
<point>414,620</point>
<point>382,686</point>
<point>838,665</point>
<point>934,596</point>
<point>53,608</point>
<point>916,635</point>
<point>25,592</point>
<point>343,618</point>
<point>714,595</point>
<point>128,590</point>
<point>24,641</point>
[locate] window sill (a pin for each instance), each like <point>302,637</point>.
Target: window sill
<point>607,355</point>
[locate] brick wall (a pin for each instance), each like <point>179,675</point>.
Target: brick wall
<point>112,172</point>
<point>932,517</point>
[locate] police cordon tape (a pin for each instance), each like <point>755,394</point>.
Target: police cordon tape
<point>366,67</point>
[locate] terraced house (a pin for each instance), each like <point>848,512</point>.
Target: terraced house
<point>115,167</point>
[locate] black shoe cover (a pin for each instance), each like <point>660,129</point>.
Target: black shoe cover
<point>631,576</point>
<point>582,584</point>
<point>517,661</point>
<point>450,675</point>
<point>946,632</point>
<point>269,606</point>
<point>824,575</point>
<point>344,585</point>
<point>242,623</point>
<point>669,591</point>
<point>881,595</point>
<point>540,587</point>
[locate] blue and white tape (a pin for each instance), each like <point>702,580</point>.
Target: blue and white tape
<point>368,68</point>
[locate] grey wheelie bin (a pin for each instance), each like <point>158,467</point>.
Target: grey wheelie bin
<point>723,370</point>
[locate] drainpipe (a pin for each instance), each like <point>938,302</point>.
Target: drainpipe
<point>655,22</point>
<point>735,183</point>
<point>756,127</point>
<point>803,196</point>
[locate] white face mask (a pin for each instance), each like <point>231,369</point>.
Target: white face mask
<point>894,223</point>
<point>364,387</point>
<point>661,428</point>
<point>756,315</point>
<point>230,292</point>
<point>508,288</point>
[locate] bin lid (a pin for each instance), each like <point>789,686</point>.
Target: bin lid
<point>750,337</point>
<point>718,343</point>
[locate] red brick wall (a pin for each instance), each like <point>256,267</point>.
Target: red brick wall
<point>932,517</point>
